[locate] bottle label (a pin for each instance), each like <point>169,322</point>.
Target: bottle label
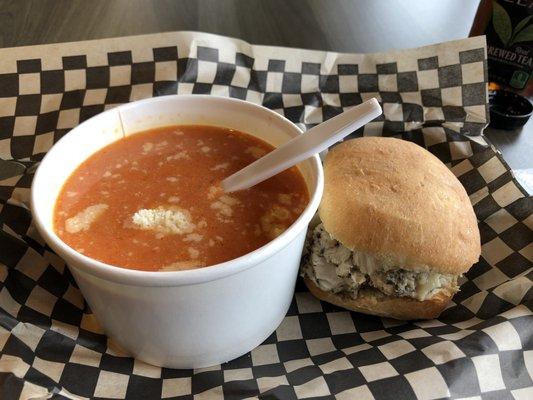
<point>510,42</point>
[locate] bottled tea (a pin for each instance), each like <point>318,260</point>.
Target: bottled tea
<point>508,26</point>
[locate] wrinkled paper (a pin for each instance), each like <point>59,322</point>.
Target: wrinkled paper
<point>52,346</point>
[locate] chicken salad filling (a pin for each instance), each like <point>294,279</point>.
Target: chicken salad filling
<point>337,269</point>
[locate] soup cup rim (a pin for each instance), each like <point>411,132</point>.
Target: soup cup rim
<point>190,276</point>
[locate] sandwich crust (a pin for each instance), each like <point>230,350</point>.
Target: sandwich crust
<point>394,199</point>
<point>372,301</point>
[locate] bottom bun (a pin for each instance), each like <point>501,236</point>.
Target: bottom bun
<point>372,301</point>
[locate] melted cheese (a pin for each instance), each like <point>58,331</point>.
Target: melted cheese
<point>82,221</point>
<point>166,221</point>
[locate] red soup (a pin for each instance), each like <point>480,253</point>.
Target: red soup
<point>152,201</point>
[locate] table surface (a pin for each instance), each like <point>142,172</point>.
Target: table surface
<point>338,25</point>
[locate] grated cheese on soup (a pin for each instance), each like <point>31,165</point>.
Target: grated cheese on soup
<point>181,265</point>
<point>193,237</point>
<point>256,152</point>
<point>82,221</point>
<point>164,220</point>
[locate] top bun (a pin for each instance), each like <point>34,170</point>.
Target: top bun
<point>395,200</point>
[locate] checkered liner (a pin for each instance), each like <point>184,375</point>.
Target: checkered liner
<point>52,346</point>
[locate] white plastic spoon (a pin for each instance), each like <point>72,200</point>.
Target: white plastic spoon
<point>302,147</point>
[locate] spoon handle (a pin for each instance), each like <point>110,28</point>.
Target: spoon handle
<point>304,146</point>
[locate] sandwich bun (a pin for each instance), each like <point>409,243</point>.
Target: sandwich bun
<point>394,199</point>
<point>372,301</point>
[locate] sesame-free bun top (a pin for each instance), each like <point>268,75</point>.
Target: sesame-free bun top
<point>395,200</point>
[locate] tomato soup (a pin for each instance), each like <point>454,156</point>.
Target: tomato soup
<point>152,201</point>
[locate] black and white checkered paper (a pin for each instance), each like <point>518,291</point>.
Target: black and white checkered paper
<point>51,346</point>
